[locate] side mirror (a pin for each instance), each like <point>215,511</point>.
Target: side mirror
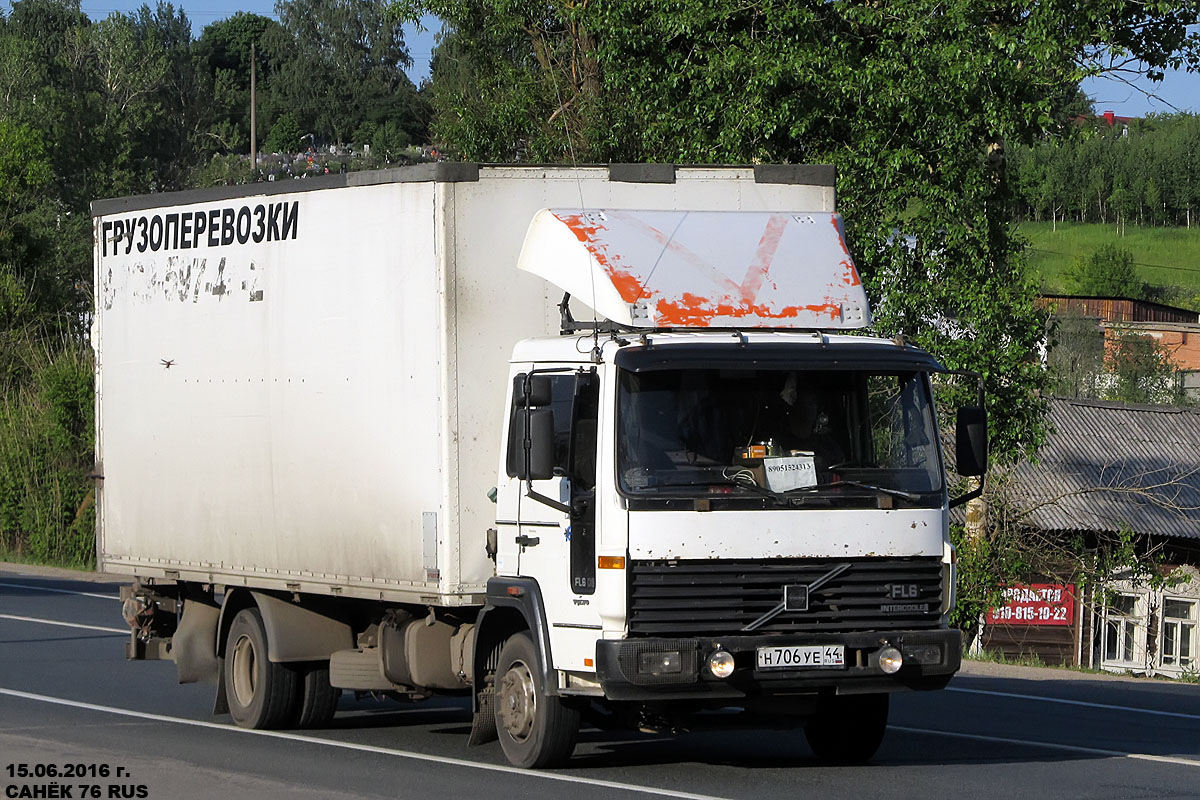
<point>536,464</point>
<point>971,443</point>
<point>538,388</point>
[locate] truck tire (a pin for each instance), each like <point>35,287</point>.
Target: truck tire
<point>848,729</point>
<point>260,693</point>
<point>535,730</point>
<point>319,699</point>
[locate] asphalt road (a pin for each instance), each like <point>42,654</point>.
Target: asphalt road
<point>70,702</point>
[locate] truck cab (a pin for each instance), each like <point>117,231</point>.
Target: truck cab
<point>752,517</point>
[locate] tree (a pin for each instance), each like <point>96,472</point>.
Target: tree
<point>172,145</point>
<point>83,106</point>
<point>916,103</point>
<point>132,68</point>
<point>1075,357</point>
<point>1108,272</point>
<point>285,135</point>
<point>1142,370</point>
<point>340,64</point>
<point>1145,169</point>
<point>388,141</point>
<point>224,51</point>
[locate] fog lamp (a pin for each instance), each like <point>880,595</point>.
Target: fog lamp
<point>670,662</point>
<point>926,654</point>
<point>721,663</point>
<point>890,660</point>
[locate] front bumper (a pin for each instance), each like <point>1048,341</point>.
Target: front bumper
<point>931,657</point>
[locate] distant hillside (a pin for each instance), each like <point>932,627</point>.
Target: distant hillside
<point>1167,258</point>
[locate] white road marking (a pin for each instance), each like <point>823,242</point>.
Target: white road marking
<point>385,751</point>
<point>64,624</point>
<point>59,591</point>
<point>1064,701</point>
<point>1069,748</point>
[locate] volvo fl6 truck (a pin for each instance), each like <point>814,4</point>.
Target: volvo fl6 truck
<point>590,445</point>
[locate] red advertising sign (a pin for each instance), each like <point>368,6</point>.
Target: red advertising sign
<point>1035,604</point>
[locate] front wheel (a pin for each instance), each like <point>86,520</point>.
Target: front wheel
<point>848,729</point>
<point>535,729</point>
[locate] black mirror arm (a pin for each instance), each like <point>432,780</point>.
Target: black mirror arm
<point>971,495</point>
<point>978,377</point>
<point>547,501</point>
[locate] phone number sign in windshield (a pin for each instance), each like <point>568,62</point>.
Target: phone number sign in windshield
<point>1035,604</point>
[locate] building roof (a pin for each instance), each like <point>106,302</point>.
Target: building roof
<point>1110,466</point>
<point>1115,309</point>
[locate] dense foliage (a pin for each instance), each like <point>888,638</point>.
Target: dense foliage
<point>917,104</point>
<point>1107,272</point>
<point>1145,172</point>
<point>130,104</point>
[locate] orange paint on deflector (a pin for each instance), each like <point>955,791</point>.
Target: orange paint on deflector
<point>833,220</point>
<point>584,233</point>
<point>763,256</point>
<point>850,278</point>
<point>628,285</point>
<point>699,312</point>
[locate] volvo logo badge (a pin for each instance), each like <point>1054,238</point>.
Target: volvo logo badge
<point>795,598</point>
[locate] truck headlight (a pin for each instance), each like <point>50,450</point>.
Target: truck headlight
<point>890,660</point>
<point>665,663</point>
<point>721,663</point>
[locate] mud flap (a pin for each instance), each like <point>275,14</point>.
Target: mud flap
<point>221,703</point>
<point>483,721</point>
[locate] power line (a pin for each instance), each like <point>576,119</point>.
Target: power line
<point>1135,263</point>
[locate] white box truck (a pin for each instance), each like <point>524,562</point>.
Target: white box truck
<point>586,443</point>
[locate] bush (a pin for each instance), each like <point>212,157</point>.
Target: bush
<point>46,453</point>
<point>230,170</point>
<point>284,136</point>
<point>1108,272</point>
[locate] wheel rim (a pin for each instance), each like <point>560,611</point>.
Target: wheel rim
<point>517,703</point>
<point>244,671</point>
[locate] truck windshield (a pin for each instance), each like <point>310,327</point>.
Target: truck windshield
<point>777,433</point>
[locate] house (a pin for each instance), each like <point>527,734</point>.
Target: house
<point>1123,310</point>
<point>1109,117</point>
<point>1177,330</point>
<point>1109,468</point>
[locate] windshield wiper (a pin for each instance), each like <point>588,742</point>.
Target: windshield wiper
<point>859,484</point>
<point>708,483</point>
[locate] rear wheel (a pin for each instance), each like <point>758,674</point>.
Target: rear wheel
<point>318,698</point>
<point>260,693</point>
<point>535,730</point>
<point>848,729</point>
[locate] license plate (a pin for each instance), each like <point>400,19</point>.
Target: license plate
<point>804,657</point>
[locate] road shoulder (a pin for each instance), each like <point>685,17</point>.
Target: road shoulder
<point>37,571</point>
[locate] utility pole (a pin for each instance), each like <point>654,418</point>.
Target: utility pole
<point>253,120</point>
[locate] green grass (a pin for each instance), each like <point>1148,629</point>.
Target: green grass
<point>996,657</point>
<point>1165,257</point>
<point>1031,660</point>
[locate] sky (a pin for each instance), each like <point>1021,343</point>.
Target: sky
<point>202,12</point>
<point>1178,92</point>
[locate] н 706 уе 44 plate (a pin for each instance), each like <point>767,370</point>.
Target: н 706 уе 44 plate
<point>802,657</point>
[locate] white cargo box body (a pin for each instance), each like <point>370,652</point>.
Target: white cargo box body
<point>301,386</point>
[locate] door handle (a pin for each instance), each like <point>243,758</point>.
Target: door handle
<point>528,541</point>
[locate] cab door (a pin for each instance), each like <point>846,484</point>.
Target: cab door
<point>556,516</point>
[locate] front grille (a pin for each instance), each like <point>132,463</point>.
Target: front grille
<point>721,597</point>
